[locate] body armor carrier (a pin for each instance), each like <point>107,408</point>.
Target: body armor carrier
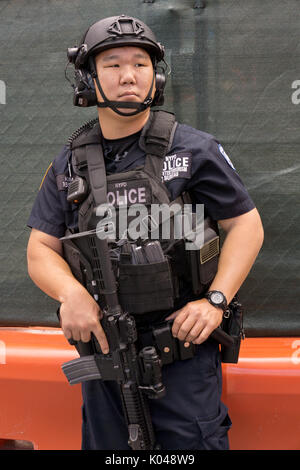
<point>149,272</point>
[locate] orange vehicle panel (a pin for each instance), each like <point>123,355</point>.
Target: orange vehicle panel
<point>38,404</point>
<point>262,392</point>
<point>40,407</point>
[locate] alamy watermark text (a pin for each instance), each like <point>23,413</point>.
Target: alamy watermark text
<point>296,94</point>
<point>2,92</point>
<point>159,221</point>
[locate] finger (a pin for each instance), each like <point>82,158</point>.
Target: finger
<point>85,336</point>
<point>67,333</point>
<point>101,338</point>
<point>185,328</point>
<point>75,335</point>
<point>180,318</point>
<point>69,337</point>
<point>202,336</point>
<point>173,315</point>
<point>194,332</point>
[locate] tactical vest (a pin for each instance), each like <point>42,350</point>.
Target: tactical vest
<point>149,272</point>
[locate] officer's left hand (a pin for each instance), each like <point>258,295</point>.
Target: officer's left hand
<point>195,321</point>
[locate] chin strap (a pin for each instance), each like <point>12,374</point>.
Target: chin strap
<point>114,105</point>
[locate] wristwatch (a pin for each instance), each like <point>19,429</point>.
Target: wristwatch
<point>217,299</point>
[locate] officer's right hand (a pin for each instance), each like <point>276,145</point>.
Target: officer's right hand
<point>80,316</point>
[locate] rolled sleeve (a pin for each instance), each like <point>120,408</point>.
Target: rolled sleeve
<point>47,214</point>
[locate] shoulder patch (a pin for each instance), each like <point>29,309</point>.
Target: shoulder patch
<point>224,154</point>
<point>177,165</point>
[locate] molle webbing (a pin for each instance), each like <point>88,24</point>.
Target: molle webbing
<point>88,161</point>
<point>156,139</point>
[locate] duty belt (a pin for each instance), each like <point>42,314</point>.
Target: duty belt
<point>157,343</point>
<point>156,346</point>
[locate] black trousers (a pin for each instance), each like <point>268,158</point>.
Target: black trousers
<point>190,415</point>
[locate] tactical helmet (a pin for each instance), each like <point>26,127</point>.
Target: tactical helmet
<point>115,31</point>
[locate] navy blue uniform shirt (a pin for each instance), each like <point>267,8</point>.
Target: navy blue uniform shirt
<point>196,163</point>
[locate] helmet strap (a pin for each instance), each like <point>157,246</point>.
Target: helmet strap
<point>114,105</point>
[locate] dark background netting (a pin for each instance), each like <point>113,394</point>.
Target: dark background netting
<point>233,65</point>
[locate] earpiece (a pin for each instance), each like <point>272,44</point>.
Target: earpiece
<point>160,82</point>
<point>84,89</point>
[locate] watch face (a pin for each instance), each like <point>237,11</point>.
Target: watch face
<point>217,297</point>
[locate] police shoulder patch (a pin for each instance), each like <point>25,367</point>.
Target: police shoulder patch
<point>224,154</point>
<point>177,165</point>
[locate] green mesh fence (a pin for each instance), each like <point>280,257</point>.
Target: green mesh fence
<point>235,74</point>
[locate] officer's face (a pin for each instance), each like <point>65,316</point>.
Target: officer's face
<point>125,74</point>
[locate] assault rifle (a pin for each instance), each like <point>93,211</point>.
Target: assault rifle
<point>138,374</point>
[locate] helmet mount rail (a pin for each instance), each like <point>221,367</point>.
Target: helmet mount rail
<point>116,28</point>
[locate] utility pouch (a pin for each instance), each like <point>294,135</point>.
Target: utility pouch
<point>145,279</point>
<point>232,324</point>
<point>204,261</point>
<point>169,349</point>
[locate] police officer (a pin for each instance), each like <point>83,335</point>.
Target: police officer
<point>116,68</point>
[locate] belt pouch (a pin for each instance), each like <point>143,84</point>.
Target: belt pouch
<point>232,324</point>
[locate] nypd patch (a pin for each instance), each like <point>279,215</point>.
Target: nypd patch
<point>177,166</point>
<point>224,154</point>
